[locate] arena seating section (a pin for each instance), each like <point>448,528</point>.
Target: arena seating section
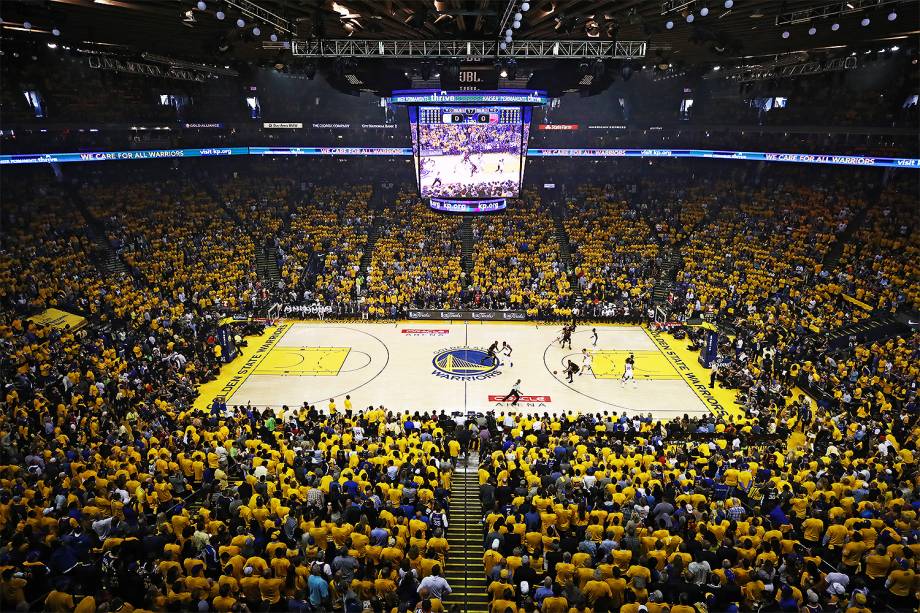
<point>117,495</point>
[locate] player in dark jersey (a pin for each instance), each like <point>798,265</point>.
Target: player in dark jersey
<point>566,336</point>
<point>491,354</point>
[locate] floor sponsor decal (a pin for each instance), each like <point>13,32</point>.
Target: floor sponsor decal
<point>501,398</point>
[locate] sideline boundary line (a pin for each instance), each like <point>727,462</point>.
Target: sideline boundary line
<point>683,369</point>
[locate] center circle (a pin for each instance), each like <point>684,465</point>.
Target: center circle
<point>464,362</point>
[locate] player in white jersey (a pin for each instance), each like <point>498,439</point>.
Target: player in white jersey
<point>628,371</point>
<point>585,362</point>
<point>506,351</point>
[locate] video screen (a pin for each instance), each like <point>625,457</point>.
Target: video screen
<point>469,152</point>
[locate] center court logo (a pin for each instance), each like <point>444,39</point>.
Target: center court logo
<point>464,364</point>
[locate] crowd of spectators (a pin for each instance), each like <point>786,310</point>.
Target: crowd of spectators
<point>517,263</point>
<point>614,249</point>
<point>879,266</point>
<point>116,494</point>
<point>416,260</point>
<point>787,509</point>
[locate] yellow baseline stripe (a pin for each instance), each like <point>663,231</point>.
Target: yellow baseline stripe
<point>721,404</point>
<point>234,374</point>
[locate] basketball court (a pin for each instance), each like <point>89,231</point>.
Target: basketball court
<point>444,366</point>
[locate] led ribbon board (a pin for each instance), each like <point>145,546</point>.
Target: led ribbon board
<point>449,205</point>
<point>759,156</point>
<point>476,98</point>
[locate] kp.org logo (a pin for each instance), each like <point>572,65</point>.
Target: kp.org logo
<point>465,364</point>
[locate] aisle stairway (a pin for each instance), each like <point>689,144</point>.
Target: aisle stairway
<point>670,264</point>
<point>373,233</point>
<point>832,257</point>
<point>565,248</point>
<point>467,240</point>
<point>104,256</point>
<point>267,264</point>
<point>464,571</point>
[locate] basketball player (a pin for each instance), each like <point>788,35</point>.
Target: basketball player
<point>467,159</point>
<point>571,369</point>
<point>491,353</point>
<point>628,371</point>
<point>566,336</point>
<point>506,351</point>
<point>585,362</point>
<point>594,337</point>
<point>516,392</point>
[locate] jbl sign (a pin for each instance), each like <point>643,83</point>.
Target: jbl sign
<point>469,76</point>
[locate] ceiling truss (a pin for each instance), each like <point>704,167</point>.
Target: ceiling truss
<point>443,49</point>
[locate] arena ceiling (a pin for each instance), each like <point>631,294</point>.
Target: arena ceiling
<point>747,28</point>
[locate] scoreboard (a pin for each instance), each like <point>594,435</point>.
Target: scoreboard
<point>457,115</point>
<point>469,148</point>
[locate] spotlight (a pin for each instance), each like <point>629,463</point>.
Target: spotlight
<point>241,23</point>
<point>26,25</point>
<point>52,45</point>
<point>503,45</point>
<point>508,38</point>
<point>895,48</point>
<point>717,68</point>
<point>892,16</point>
<point>669,25</point>
<point>273,38</point>
<point>256,31</point>
<point>201,5</point>
<point>729,3</point>
<point>864,22</point>
<point>835,27</point>
<point>508,32</point>
<point>525,7</point>
<point>690,18</point>
<point>55,32</point>
<point>704,11</point>
<point>812,31</point>
<point>518,16</point>
<point>516,25</point>
<point>220,15</point>
<point>503,74</point>
<point>786,34</point>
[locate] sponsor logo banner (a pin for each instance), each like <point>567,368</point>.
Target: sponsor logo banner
<point>472,315</point>
<point>379,126</point>
<point>420,332</point>
<point>283,125</point>
<point>198,126</point>
<point>557,126</point>
<point>308,309</point>
<point>324,126</point>
<point>607,127</point>
<point>501,398</point>
<point>468,206</point>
